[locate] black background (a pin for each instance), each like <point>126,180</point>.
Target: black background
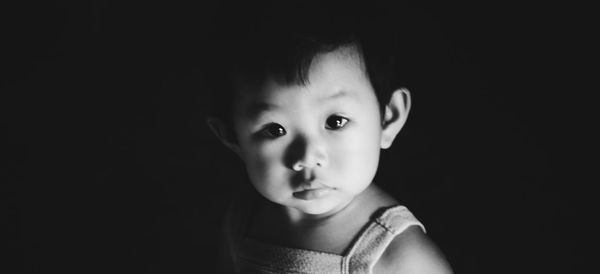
<point>110,166</point>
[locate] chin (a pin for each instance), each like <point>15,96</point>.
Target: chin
<point>314,210</point>
<point>322,207</point>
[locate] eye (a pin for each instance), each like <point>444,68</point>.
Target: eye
<point>335,122</point>
<point>273,130</point>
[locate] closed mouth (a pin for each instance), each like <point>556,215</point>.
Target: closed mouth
<point>312,193</point>
<point>312,185</point>
<point>311,190</point>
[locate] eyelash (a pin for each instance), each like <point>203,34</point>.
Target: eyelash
<point>340,122</point>
<point>274,130</point>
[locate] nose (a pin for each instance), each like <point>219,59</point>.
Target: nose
<point>307,152</point>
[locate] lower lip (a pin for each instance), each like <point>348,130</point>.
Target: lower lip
<point>312,194</point>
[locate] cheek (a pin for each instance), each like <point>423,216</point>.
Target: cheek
<point>357,155</point>
<point>263,163</point>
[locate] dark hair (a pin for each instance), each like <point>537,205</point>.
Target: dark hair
<point>282,44</point>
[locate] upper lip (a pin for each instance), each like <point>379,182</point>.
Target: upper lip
<point>308,180</point>
<point>312,184</point>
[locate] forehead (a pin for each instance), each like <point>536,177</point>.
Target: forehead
<point>345,61</point>
<point>340,72</point>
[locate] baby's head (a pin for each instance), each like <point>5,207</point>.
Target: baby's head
<point>308,117</point>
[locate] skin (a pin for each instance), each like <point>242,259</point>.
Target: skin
<point>312,151</point>
<point>329,129</point>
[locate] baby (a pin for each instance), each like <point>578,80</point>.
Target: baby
<point>308,114</point>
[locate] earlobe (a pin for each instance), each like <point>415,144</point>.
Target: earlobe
<point>396,113</point>
<point>223,133</point>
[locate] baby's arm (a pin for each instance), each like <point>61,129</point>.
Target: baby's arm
<point>412,252</point>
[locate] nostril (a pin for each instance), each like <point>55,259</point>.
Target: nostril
<point>304,164</point>
<point>321,161</point>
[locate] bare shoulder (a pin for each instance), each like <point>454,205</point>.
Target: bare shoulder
<point>412,252</point>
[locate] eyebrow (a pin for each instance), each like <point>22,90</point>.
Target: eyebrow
<point>256,108</point>
<point>340,93</point>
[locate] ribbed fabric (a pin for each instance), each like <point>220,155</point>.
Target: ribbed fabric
<point>251,256</point>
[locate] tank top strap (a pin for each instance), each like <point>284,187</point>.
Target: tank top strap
<point>374,239</point>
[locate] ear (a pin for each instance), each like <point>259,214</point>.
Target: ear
<point>396,113</point>
<point>223,133</point>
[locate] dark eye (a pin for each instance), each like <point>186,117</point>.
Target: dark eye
<point>335,122</point>
<point>273,131</point>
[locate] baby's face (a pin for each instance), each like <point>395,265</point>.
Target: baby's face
<point>312,148</point>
